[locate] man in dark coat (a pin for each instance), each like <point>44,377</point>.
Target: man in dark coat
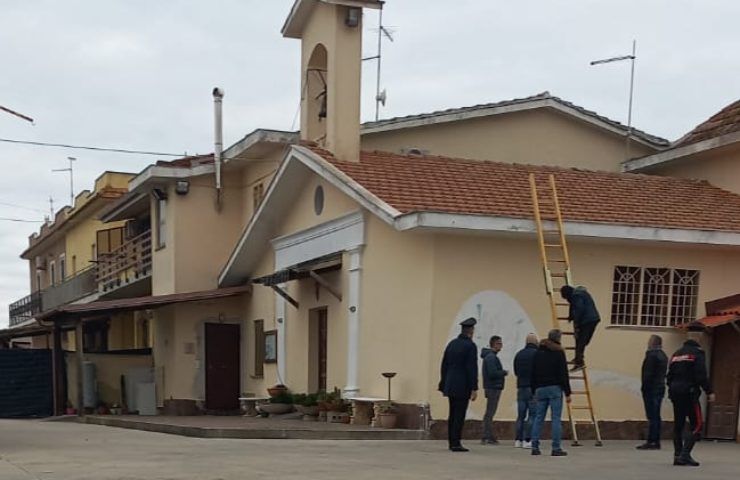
<point>494,377</point>
<point>549,382</point>
<point>584,316</point>
<point>523,364</point>
<point>459,381</point>
<point>654,368</point>
<point>687,377</point>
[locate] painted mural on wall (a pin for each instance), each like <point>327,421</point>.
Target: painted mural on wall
<point>498,313</point>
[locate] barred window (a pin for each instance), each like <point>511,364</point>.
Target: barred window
<point>653,297</point>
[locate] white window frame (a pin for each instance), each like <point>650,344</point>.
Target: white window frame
<point>647,285</point>
<point>160,222</point>
<point>62,267</point>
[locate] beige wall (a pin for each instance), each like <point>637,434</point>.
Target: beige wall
<point>179,349</point>
<point>720,167</point>
<point>108,371</point>
<point>541,136</point>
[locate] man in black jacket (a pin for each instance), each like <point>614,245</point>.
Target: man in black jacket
<point>523,364</point>
<point>654,368</point>
<point>549,381</point>
<point>687,377</point>
<point>459,381</point>
<point>584,316</point>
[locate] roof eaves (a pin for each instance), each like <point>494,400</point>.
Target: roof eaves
<point>638,164</point>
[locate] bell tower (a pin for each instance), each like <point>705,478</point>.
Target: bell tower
<point>331,66</point>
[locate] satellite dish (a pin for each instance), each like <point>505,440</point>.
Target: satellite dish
<point>382,97</point>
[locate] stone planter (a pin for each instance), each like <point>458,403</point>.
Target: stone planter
<point>387,420</point>
<point>275,408</point>
<point>337,417</point>
<point>312,411</point>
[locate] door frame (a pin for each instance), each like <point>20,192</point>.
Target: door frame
<point>713,367</point>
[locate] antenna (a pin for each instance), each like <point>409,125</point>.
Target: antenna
<point>71,179</point>
<point>51,207</point>
<point>380,97</point>
<point>632,59</point>
<point>19,115</point>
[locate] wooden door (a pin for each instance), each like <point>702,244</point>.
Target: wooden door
<point>222,366</point>
<point>323,333</point>
<point>722,415</point>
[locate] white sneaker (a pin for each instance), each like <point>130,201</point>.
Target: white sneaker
<point>527,445</point>
<point>518,444</point>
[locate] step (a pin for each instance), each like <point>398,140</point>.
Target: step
<point>580,407</point>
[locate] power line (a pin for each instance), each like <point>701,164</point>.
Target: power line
<point>15,205</point>
<point>100,149</point>
<point>21,220</point>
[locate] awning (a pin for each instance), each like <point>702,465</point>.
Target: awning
<point>713,321</point>
<point>138,303</point>
<point>301,270</point>
<point>25,331</point>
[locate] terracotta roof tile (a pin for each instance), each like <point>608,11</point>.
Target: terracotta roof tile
<point>442,184</point>
<point>187,162</point>
<point>723,122</point>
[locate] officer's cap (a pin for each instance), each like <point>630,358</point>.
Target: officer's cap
<point>468,322</point>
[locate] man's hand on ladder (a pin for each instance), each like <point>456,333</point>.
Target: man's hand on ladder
<point>567,399</point>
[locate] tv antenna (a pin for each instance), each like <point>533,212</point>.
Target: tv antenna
<point>19,115</point>
<point>387,32</point>
<point>632,59</point>
<point>71,179</point>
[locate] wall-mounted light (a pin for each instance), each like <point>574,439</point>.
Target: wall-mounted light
<point>353,17</point>
<point>159,194</point>
<point>182,187</point>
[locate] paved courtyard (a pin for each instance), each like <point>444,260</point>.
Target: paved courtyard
<point>31,449</point>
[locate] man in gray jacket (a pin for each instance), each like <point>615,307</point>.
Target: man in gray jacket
<point>493,384</point>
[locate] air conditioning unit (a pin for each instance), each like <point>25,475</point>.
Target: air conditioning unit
<point>40,263</point>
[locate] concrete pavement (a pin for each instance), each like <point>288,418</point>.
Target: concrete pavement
<point>32,449</point>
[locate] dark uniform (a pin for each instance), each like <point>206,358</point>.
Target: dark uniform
<point>687,376</point>
<point>584,316</point>
<point>458,379</point>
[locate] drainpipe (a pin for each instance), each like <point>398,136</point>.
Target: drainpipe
<point>218,95</point>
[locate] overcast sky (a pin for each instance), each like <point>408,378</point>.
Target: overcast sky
<point>138,74</point>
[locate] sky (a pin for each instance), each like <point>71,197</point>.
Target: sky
<point>138,75</point>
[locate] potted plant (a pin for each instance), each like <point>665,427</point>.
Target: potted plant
<point>278,405</point>
<point>337,408</point>
<point>386,414</point>
<point>276,390</point>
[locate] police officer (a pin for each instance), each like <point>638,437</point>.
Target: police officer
<point>687,376</point>
<point>459,381</point>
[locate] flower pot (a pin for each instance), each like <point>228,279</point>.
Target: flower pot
<point>387,420</point>
<point>275,408</point>
<point>277,390</point>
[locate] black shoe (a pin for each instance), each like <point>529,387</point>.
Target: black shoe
<point>489,441</point>
<point>577,368</point>
<point>559,453</point>
<point>648,446</point>
<point>459,448</point>
<point>536,451</point>
<point>685,461</point>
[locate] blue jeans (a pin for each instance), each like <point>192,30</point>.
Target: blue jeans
<point>653,399</point>
<point>548,397</point>
<point>525,411</point>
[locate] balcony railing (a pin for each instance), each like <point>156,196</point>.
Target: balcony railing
<point>80,285</point>
<point>25,308</point>
<point>128,263</point>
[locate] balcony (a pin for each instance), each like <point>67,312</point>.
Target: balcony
<point>74,288</point>
<point>126,266</point>
<point>25,309</point>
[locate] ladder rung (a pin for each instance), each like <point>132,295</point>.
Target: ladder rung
<point>553,245</point>
<point>563,318</point>
<point>560,304</point>
<point>567,333</point>
<point>580,407</point>
<point>577,378</point>
<point>578,392</point>
<point>556,260</point>
<point>570,348</point>
<point>558,275</point>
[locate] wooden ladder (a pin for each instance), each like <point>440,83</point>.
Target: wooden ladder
<point>556,269</point>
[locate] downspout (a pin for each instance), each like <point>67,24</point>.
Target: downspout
<point>218,95</point>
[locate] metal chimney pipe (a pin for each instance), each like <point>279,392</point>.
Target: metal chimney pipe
<point>218,95</point>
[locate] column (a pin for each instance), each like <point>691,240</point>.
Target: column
<point>80,359</point>
<point>352,389</point>
<point>280,321</point>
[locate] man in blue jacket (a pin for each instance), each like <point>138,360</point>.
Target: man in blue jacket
<point>584,316</point>
<point>493,383</point>
<point>523,363</point>
<point>459,381</point>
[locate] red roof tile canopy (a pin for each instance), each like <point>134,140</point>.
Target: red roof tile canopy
<point>441,184</point>
<point>187,162</point>
<point>723,122</point>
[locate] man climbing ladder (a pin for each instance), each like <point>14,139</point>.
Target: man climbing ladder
<point>556,268</point>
